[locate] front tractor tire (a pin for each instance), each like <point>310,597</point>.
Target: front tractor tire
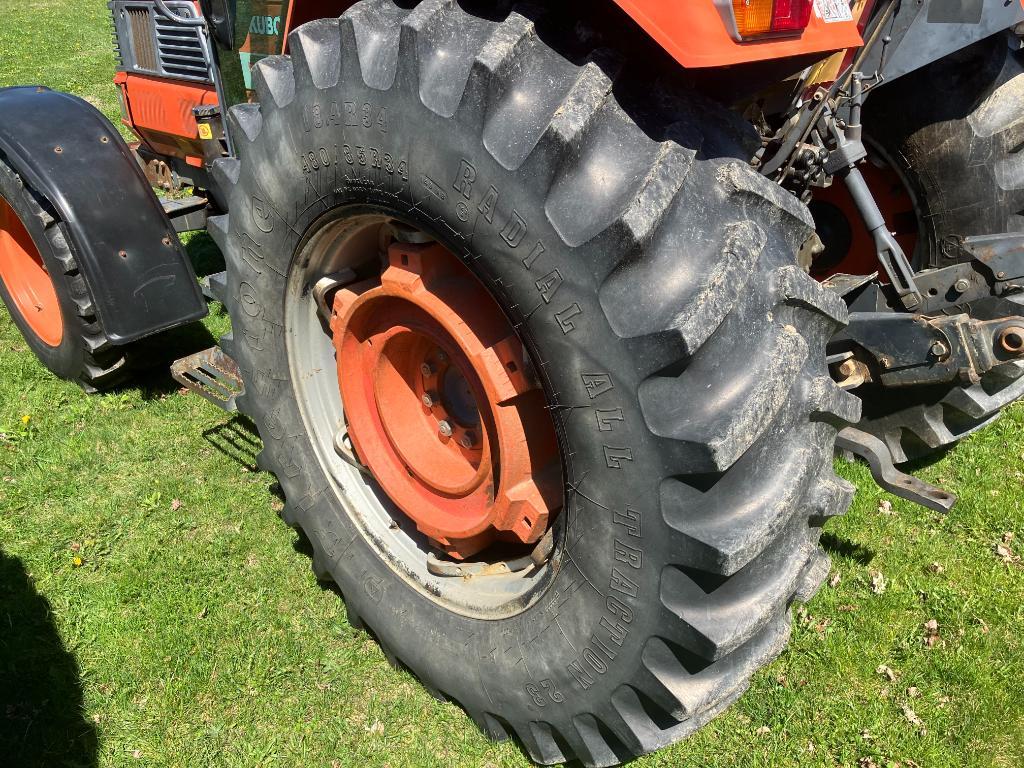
<point>46,294</point>
<point>651,281</point>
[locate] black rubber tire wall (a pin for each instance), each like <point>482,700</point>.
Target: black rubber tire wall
<point>85,354</point>
<point>955,129</point>
<point>692,523</point>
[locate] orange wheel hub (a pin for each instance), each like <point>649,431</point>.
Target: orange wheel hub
<point>27,281</point>
<point>440,404</point>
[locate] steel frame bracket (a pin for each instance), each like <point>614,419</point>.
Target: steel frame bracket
<point>879,460</point>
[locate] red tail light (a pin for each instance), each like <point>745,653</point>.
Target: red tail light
<point>791,15</point>
<point>754,18</point>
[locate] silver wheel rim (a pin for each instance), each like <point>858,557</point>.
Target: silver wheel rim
<point>339,242</point>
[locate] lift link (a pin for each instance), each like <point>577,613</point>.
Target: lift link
<point>842,162</point>
<point>901,350</point>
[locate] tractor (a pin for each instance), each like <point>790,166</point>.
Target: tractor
<point>551,317</point>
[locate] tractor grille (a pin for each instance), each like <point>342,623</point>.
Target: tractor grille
<point>178,47</point>
<point>139,22</point>
<point>148,43</point>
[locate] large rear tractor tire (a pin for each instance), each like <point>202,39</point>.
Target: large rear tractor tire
<point>961,161</point>
<point>46,295</point>
<point>633,294</point>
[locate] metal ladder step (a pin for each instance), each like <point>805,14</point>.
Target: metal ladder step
<point>212,375</point>
<point>186,213</point>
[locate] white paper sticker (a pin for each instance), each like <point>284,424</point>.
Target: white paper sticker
<point>831,11</point>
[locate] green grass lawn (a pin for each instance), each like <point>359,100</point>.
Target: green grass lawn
<point>155,611</point>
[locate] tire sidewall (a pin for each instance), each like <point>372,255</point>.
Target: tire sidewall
<point>584,635</point>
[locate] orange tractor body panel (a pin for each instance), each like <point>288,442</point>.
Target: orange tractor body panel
<point>697,34</point>
<point>159,112</point>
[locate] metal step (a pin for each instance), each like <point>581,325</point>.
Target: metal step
<point>212,375</point>
<point>186,213</point>
<point>214,287</point>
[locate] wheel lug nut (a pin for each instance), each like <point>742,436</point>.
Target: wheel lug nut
<point>441,356</point>
<point>444,428</point>
<point>427,369</point>
<point>429,399</point>
<point>468,440</point>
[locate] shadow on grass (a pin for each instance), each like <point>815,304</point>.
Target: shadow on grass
<point>237,439</point>
<point>846,548</point>
<point>41,717</point>
<point>204,254</point>
<point>923,462</point>
<point>151,359</point>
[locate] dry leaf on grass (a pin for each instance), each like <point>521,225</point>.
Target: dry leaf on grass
<point>885,507</point>
<point>834,579</point>
<point>934,568</point>
<point>877,582</point>
<point>175,505</point>
<point>913,719</point>
<point>1003,551</point>
<point>931,633</point>
<point>913,692</point>
<point>886,672</point>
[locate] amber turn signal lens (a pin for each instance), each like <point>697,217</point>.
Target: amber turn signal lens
<point>763,17</point>
<point>753,17</point>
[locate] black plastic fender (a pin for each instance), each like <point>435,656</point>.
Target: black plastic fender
<point>139,275</point>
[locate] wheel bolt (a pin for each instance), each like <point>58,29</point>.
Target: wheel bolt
<point>444,428</point>
<point>441,356</point>
<point>427,369</point>
<point>468,440</point>
<point>961,285</point>
<point>428,399</point>
<point>939,349</point>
